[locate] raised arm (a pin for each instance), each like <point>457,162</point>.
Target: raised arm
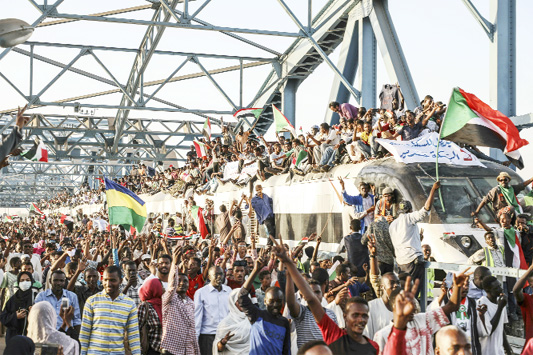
<point>294,306</point>
<point>312,301</point>
<point>459,281</point>
<point>520,284</point>
<point>209,259</point>
<point>482,224</point>
<point>315,252</point>
<point>431,196</point>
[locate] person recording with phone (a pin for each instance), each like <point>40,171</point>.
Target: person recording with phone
<point>15,314</point>
<point>60,299</point>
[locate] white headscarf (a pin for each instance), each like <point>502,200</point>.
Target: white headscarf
<point>238,324</point>
<point>42,322</point>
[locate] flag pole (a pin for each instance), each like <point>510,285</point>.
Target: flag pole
<point>437,175</point>
<point>437,159</point>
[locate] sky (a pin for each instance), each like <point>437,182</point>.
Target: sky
<point>443,44</point>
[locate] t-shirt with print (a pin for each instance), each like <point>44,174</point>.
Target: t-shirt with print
<point>419,332</point>
<point>340,342</point>
<point>269,335</point>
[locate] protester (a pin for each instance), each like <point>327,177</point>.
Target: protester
<point>492,316</point>
<point>179,330</point>
<point>112,313</point>
<point>405,236</point>
<point>42,329</point>
<point>15,313</point>
<point>210,307</point>
<point>233,332</point>
<point>150,315</point>
<point>270,331</point>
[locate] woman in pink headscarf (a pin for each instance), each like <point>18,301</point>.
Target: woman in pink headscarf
<point>150,315</point>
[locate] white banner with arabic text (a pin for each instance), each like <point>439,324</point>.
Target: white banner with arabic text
<point>424,150</point>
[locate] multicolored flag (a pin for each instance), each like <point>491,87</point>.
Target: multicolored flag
<point>470,121</point>
<point>200,149</point>
<point>37,153</point>
<point>253,113</point>
<point>206,131</point>
<point>35,210</point>
<point>282,123</point>
<point>125,208</point>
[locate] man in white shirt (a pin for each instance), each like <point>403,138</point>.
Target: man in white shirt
<point>405,236</point>
<point>324,151</point>
<point>492,316</point>
<point>379,311</point>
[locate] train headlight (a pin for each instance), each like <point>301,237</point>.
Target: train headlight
<point>466,242</point>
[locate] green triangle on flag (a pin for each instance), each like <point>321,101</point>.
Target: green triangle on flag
<point>282,123</point>
<point>248,112</point>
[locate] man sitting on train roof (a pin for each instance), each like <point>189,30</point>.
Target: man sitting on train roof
<point>503,195</point>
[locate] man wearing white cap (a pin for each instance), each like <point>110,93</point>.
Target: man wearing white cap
<point>503,195</point>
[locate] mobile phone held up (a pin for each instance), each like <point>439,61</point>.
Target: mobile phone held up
<point>64,303</point>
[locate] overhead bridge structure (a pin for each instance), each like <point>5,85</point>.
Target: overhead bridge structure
<point>124,114</point>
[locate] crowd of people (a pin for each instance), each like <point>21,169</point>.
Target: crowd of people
<point>82,286</point>
<point>353,140</point>
<point>93,288</point>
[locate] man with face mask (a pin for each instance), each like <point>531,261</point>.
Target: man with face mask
<point>210,307</point>
<point>270,332</point>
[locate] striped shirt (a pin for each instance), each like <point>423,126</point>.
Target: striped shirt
<point>104,323</point>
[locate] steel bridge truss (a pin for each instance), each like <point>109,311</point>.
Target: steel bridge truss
<point>77,142</point>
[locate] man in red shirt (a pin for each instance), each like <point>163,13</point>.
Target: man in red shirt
<point>525,302</point>
<point>341,341</point>
<point>196,276</point>
<point>239,273</point>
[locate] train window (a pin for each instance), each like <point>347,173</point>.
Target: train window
<point>459,198</point>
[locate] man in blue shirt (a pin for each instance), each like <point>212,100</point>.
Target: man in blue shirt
<point>263,207</point>
<point>55,295</point>
<point>271,332</point>
<point>363,204</point>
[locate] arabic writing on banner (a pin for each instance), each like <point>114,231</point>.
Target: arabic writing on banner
<point>231,171</point>
<point>424,150</point>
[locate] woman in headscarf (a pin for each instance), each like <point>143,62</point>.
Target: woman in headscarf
<point>15,313</point>
<point>233,332</point>
<point>19,345</point>
<point>150,313</point>
<point>42,328</point>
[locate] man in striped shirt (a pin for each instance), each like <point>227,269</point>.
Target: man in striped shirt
<point>107,316</point>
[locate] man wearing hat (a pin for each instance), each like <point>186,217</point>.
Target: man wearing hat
<point>503,195</point>
<point>405,236</point>
<point>386,207</point>
<point>363,204</point>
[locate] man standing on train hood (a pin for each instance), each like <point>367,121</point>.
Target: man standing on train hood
<point>405,236</point>
<point>264,209</point>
